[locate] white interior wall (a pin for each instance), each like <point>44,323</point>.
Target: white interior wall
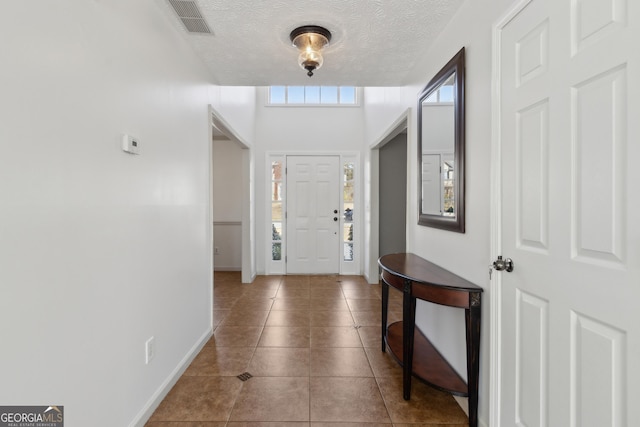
<point>384,109</point>
<point>464,254</point>
<point>99,249</point>
<point>291,130</point>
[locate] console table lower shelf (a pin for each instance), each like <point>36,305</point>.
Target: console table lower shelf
<point>430,367</point>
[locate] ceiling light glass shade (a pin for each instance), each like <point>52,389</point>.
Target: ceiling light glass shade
<point>309,40</point>
<point>310,61</point>
<point>313,41</point>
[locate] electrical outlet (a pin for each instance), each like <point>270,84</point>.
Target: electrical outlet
<point>216,251</point>
<point>149,350</point>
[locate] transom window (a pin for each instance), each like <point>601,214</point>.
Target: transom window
<point>444,94</point>
<point>312,95</point>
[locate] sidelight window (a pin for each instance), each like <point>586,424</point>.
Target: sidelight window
<point>276,210</point>
<point>348,204</point>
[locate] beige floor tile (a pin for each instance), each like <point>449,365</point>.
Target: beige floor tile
<point>219,315</point>
<point>346,399</point>
<point>224,302</point>
<point>427,405</point>
<point>266,281</point>
<point>431,425</point>
<point>382,364</point>
<point>367,318</point>
<point>329,304</point>
<point>291,304</point>
<point>273,399</point>
<point>284,336</point>
<point>220,361</point>
<point>228,291</point>
<point>292,292</point>
<point>353,281</point>
<point>331,318</point>
<point>293,280</point>
<point>251,304</point>
<point>268,424</point>
<point>371,336</point>
<point>279,362</point>
<point>353,425</point>
<point>185,424</point>
<point>236,336</point>
<point>326,292</point>
<point>339,362</point>
<point>246,318</point>
<point>324,281</point>
<point>288,318</point>
<point>199,399</point>
<point>362,293</point>
<point>335,336</point>
<point>262,292</point>
<point>318,363</point>
<point>365,304</point>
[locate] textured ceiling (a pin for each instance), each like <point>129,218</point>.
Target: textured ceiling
<point>375,42</point>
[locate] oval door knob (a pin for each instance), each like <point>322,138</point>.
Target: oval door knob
<point>503,264</point>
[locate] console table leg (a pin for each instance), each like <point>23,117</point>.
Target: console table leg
<point>385,307</point>
<point>472,323</point>
<point>408,331</point>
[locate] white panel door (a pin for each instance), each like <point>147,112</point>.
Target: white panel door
<point>313,208</point>
<point>569,135</point>
<point>431,184</point>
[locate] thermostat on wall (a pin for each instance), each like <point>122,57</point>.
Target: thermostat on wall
<point>130,144</point>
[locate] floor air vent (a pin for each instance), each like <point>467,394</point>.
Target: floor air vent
<point>244,376</point>
<point>189,14</point>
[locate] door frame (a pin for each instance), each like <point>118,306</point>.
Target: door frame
<point>371,229</point>
<point>355,267</point>
<point>246,174</point>
<point>495,215</point>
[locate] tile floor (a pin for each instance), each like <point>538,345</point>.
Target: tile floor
<point>312,346</point>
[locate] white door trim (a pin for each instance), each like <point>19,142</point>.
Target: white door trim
<point>248,188</point>
<point>495,315</point>
<point>354,267</point>
<point>371,192</point>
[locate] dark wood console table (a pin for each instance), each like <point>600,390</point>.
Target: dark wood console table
<point>418,278</point>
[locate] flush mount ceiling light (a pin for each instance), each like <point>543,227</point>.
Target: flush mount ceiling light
<point>310,40</point>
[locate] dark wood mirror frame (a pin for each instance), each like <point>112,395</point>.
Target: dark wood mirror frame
<point>452,223</point>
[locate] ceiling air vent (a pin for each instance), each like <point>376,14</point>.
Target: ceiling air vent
<point>189,14</point>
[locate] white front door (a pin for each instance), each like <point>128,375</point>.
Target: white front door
<point>569,137</point>
<point>313,214</point>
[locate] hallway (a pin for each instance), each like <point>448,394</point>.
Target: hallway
<point>312,347</point>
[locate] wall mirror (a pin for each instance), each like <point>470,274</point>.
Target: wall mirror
<point>441,144</point>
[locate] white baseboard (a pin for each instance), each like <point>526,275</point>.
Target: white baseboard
<point>222,268</point>
<point>464,404</point>
<point>157,397</point>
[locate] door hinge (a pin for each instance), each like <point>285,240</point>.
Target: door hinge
<point>285,259</point>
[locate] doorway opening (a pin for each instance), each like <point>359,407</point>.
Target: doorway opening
<point>393,196</point>
<point>231,189</point>
<point>314,207</point>
<point>385,227</point>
